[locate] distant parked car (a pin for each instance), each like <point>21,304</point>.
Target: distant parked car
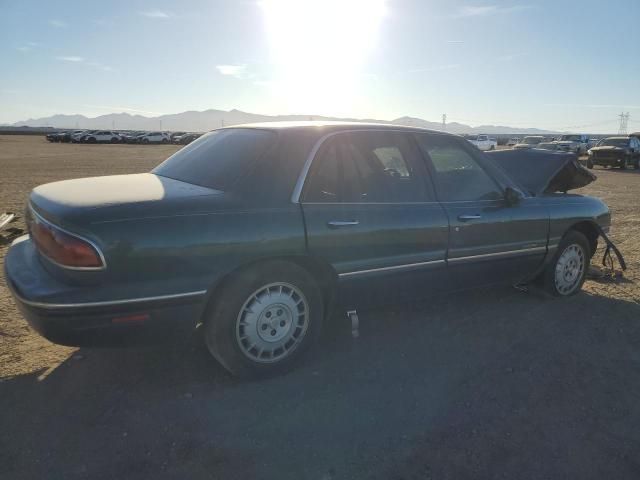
<point>80,137</point>
<point>186,139</point>
<point>154,137</point>
<point>529,142</point>
<point>102,136</point>
<point>53,137</point>
<point>132,137</point>
<point>622,152</point>
<point>513,141</point>
<point>574,143</point>
<point>173,135</point>
<point>483,142</point>
<point>65,137</point>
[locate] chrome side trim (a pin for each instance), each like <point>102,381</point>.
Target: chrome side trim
<point>297,190</point>
<point>95,247</point>
<point>390,269</point>
<point>104,304</point>
<point>509,253</point>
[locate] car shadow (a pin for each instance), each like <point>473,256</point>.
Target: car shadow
<point>478,385</point>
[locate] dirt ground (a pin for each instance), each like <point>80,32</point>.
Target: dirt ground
<point>490,384</point>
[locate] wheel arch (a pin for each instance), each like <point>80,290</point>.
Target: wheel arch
<point>324,274</point>
<point>589,229</point>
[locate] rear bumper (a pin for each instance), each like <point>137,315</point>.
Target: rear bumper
<point>133,320</point>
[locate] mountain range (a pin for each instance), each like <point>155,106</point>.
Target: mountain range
<point>200,121</point>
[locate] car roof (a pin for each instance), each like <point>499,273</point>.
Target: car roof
<point>332,126</point>
<point>616,138</point>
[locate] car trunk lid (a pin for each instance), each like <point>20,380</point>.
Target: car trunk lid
<point>96,199</point>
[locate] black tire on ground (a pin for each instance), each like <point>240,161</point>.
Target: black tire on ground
<point>92,140</point>
<point>589,163</point>
<point>164,140</point>
<point>145,140</point>
<point>224,319</point>
<point>636,164</point>
<point>556,279</point>
<point>114,140</point>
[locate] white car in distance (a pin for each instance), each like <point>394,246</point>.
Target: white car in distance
<point>154,137</point>
<point>483,142</point>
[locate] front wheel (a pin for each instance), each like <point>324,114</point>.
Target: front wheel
<point>264,319</point>
<point>589,164</point>
<point>566,273</point>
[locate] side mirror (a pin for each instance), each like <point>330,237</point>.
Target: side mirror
<point>511,197</point>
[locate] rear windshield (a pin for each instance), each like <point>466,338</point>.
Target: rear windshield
<point>217,159</point>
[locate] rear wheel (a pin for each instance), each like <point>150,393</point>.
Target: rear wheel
<point>114,140</point>
<point>92,140</point>
<point>264,319</point>
<point>145,140</point>
<point>566,273</point>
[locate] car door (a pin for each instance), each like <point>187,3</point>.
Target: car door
<point>490,239</point>
<point>483,141</point>
<point>370,212</point>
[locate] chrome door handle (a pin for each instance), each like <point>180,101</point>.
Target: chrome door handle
<point>466,218</point>
<point>339,223</point>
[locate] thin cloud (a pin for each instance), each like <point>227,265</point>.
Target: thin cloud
<point>57,23</point>
<point>509,57</point>
<point>100,66</point>
<point>155,14</point>
<point>70,58</point>
<point>435,68</point>
<point>592,105</point>
<point>455,42</point>
<point>237,71</point>
<point>24,48</point>
<point>484,10</point>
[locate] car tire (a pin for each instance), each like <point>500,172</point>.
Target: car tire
<point>145,140</point>
<point>567,271</point>
<point>114,140</point>
<point>165,141</point>
<point>589,164</point>
<point>636,164</point>
<point>264,319</point>
<point>92,140</point>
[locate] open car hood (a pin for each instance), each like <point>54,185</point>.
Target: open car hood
<point>540,171</point>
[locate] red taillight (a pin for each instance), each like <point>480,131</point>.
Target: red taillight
<point>63,248</point>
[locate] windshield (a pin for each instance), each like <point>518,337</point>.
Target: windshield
<point>217,159</point>
<point>614,142</point>
<point>531,140</point>
<point>570,138</point>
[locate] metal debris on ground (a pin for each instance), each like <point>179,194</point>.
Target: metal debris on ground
<point>8,234</point>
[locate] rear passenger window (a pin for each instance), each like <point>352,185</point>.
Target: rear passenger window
<point>457,175</point>
<point>364,167</point>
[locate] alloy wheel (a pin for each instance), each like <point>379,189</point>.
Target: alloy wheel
<point>569,269</point>
<point>272,322</point>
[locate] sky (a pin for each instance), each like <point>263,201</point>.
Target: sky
<point>554,64</point>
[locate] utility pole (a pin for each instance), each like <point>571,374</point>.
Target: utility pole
<point>444,122</point>
<point>160,125</point>
<point>222,122</point>
<point>624,121</point>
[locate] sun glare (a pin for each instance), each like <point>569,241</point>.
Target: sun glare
<point>319,49</point>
